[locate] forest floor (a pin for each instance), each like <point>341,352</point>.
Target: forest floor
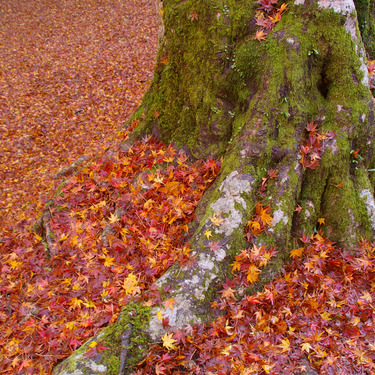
<point>71,74</point>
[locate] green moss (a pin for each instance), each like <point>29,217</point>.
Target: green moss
<point>190,89</point>
<point>134,314</point>
<point>365,14</point>
<point>139,320</point>
<point>229,93</point>
<point>59,189</point>
<point>113,365</point>
<point>59,208</point>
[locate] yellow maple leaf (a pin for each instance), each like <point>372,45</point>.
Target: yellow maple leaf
<point>254,225</point>
<point>152,262</point>
<point>93,344</point>
<point>14,264</point>
<point>89,303</point>
<point>321,220</point>
<point>168,159</point>
<point>168,341</point>
<point>108,261</point>
<point>228,293</point>
<point>15,362</point>
<point>74,240</point>
<point>130,284</point>
<point>355,321</point>
<point>76,302</point>
<point>148,204</point>
<point>236,266</point>
<point>106,283</point>
<point>71,325</point>
<point>267,368</point>
<point>252,273</point>
<point>216,219</point>
<point>296,252</point>
<point>366,296</point>
<point>104,294</point>
<point>285,345</point>
<point>283,7</point>
<point>158,179</point>
<point>113,218</point>
<point>208,234</point>
<point>306,347</point>
<point>159,314</point>
<point>260,35</point>
<point>226,350</point>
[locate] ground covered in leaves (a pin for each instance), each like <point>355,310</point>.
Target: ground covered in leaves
<point>113,229</point>
<point>71,73</point>
<point>319,314</point>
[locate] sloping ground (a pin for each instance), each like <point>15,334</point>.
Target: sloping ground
<point>71,73</point>
<point>113,229</point>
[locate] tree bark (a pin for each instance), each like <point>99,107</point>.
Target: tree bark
<point>219,92</point>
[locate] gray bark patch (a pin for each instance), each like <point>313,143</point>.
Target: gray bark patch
<point>339,6</point>
<point>370,205</point>
<point>232,188</point>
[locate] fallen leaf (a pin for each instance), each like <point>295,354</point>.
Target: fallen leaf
<point>208,234</point>
<point>168,341</point>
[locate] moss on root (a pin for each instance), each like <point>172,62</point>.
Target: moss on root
<point>109,361</point>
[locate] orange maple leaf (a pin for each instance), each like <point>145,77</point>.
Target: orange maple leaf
<point>260,35</point>
<point>265,217</point>
<point>283,7</point>
<point>252,273</point>
<point>170,188</point>
<point>228,293</point>
<point>169,303</point>
<point>193,16</point>
<point>321,221</point>
<point>296,252</point>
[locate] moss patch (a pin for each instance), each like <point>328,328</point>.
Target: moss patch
<point>109,361</point>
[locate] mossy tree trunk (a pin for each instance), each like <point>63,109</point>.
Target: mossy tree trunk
<point>219,92</point>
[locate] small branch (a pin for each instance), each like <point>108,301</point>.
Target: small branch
<point>71,168</point>
<point>42,228</point>
<point>125,343</point>
<point>47,235</point>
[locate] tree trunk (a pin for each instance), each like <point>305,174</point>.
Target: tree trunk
<point>218,91</point>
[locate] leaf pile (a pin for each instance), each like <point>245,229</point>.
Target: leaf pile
<point>312,148</point>
<point>319,313</point>
<point>267,15</point>
<point>113,230</point>
<point>71,73</point>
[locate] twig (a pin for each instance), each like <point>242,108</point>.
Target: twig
<point>125,343</point>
